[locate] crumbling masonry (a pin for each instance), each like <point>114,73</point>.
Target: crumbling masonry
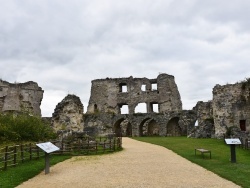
<point>164,115</point>
<point>226,115</point>
<point>20,97</point>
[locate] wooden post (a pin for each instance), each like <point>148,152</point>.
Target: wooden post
<point>6,158</point>
<point>15,154</point>
<point>30,151</point>
<point>37,152</point>
<point>21,148</point>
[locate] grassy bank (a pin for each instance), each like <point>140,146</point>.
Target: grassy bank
<point>220,163</point>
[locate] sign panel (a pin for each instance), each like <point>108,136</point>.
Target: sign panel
<point>233,141</point>
<point>48,147</point>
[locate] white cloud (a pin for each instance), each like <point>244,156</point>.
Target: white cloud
<point>63,45</point>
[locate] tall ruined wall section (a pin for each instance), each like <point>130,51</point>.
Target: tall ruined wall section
<point>107,95</point>
<point>21,97</point>
<point>68,115</point>
<point>205,126</point>
<point>231,107</point>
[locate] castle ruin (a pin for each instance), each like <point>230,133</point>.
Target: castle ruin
<point>228,110</point>
<point>20,97</point>
<point>163,114</point>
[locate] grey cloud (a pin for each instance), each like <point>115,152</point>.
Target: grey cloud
<point>64,45</point>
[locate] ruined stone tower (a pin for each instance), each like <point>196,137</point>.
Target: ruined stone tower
<point>21,97</point>
<point>68,115</point>
<point>109,95</point>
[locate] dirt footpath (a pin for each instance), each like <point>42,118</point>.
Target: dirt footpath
<point>138,165</point>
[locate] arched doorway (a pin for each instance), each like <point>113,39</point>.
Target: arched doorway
<point>129,129</point>
<point>153,128</point>
<point>142,127</point>
<point>148,127</point>
<point>173,128</point>
<point>123,127</point>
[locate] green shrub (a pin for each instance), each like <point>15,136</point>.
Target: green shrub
<point>23,127</point>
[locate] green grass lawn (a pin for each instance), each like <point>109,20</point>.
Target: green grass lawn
<point>14,176</point>
<point>24,171</point>
<point>220,163</point>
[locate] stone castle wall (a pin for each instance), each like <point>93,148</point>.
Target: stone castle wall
<point>21,97</point>
<point>231,107</point>
<point>68,115</point>
<point>107,95</point>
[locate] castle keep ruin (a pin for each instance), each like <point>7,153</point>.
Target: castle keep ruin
<point>108,96</point>
<point>230,108</point>
<point>20,97</point>
<point>227,114</point>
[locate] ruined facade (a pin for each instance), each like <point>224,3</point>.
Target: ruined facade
<point>21,97</point>
<point>230,108</point>
<point>109,95</point>
<point>68,115</point>
<point>163,115</point>
<point>227,114</point>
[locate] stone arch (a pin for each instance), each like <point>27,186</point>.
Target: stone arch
<point>153,128</point>
<point>149,127</point>
<point>173,128</point>
<point>141,127</point>
<point>129,130</point>
<point>209,124</point>
<point>122,127</point>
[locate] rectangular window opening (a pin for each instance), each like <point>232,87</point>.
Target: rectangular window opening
<point>124,109</point>
<point>154,86</point>
<point>141,108</point>
<point>243,125</point>
<point>123,87</point>
<point>143,87</point>
<point>156,108</point>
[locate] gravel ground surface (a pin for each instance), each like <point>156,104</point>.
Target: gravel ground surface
<point>138,165</point>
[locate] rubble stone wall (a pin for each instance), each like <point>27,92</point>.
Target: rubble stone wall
<point>147,124</point>
<point>68,115</point>
<point>21,97</point>
<point>230,106</point>
<point>108,96</point>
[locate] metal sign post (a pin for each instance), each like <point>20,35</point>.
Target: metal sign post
<point>48,148</point>
<point>232,142</point>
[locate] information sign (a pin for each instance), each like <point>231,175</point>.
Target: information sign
<point>233,141</point>
<point>48,147</point>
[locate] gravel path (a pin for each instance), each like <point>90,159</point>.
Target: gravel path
<point>138,165</point>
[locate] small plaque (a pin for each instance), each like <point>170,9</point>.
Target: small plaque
<point>48,147</point>
<point>233,141</point>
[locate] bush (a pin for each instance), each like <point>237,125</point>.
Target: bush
<point>23,127</point>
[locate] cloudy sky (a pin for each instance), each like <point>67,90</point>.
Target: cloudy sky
<point>63,45</point>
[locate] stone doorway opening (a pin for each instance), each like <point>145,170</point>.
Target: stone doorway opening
<point>243,125</point>
<point>123,127</point>
<point>148,127</point>
<point>173,128</point>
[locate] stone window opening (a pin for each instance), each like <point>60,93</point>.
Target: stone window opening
<point>124,109</point>
<point>243,125</point>
<point>143,87</point>
<point>123,88</point>
<point>155,107</point>
<point>95,108</point>
<point>141,108</point>
<point>196,123</point>
<point>154,87</point>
